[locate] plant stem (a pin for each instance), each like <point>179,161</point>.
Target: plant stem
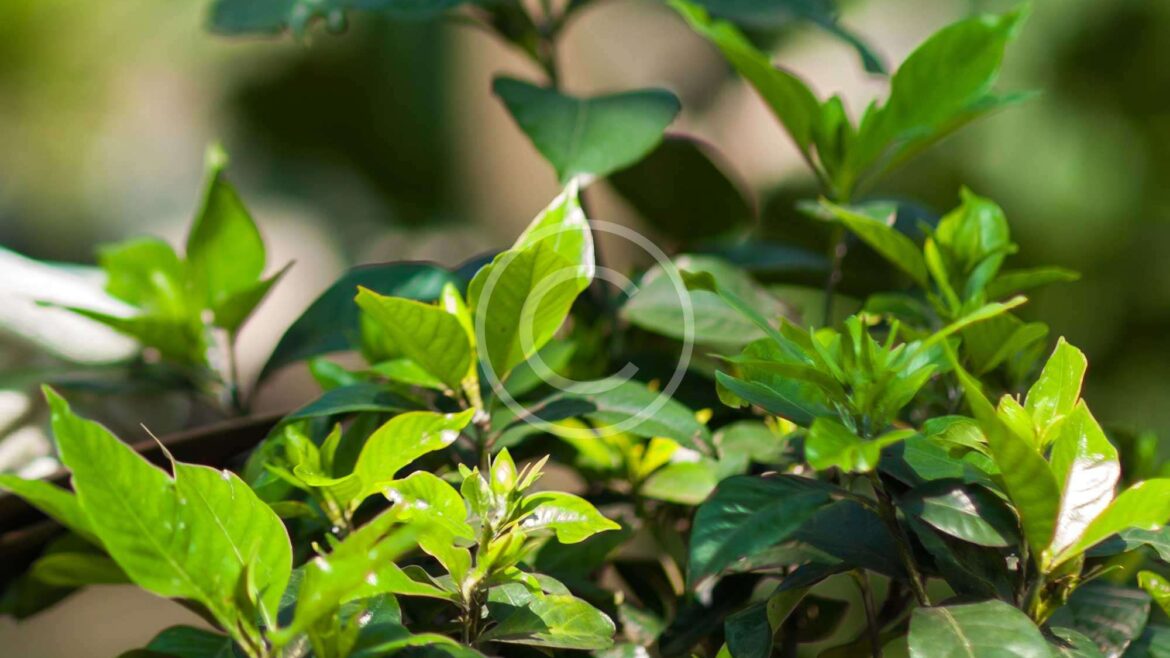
<point>871,624</point>
<point>889,515</point>
<point>236,396</point>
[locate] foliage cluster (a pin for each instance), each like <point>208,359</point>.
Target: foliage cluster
<point>919,474</point>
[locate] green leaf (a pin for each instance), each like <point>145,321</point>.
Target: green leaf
<point>1145,505</point>
<point>1011,282</point>
<point>274,16</point>
<point>790,405</point>
<point>746,515</point>
<point>225,253</point>
<point>992,629</point>
<point>1157,587</point>
<point>945,83</point>
<point>146,273</point>
<point>686,483</point>
<point>351,399</point>
<point>830,444</point>
<point>658,304</point>
<point>69,569</point>
<point>874,225</point>
<point>523,296</point>
<point>1087,469</point>
<point>682,191</point>
<point>1074,644</point>
<point>1111,616</point>
<point>256,535</point>
<point>402,440</point>
<point>426,334</point>
<point>556,621</point>
<point>572,518</point>
<point>1058,388</point>
<point>787,96</point>
<point>1027,476</point>
<point>431,497</point>
<point>531,374</point>
<point>231,313</point>
<point>179,339</point>
<point>191,642</point>
<point>332,321</point>
<point>148,522</point>
<point>966,512</point>
<point>57,503</point>
<point>332,579</point>
<point>588,136</point>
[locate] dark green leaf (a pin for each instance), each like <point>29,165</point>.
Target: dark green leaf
<point>1112,617</point>
<point>967,512</point>
<point>588,136</point>
<point>190,642</point>
<point>992,629</point>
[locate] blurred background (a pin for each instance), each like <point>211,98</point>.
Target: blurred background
<point>386,144</point>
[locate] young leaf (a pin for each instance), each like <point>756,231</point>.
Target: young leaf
<point>572,518</point>
<point>746,515</point>
<point>332,321</point>
<point>1157,587</point>
<point>1058,388</point>
<point>830,444</point>
<point>588,136</point>
<point>1026,474</point>
<point>523,296</point>
<point>976,630</point>
<point>430,496</point>
<point>426,334</point>
<point>403,439</point>
<point>225,254</point>
<point>146,273</point>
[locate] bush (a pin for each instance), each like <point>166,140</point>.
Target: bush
<point>811,480</point>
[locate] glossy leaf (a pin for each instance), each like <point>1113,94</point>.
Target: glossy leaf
<point>830,444</point>
<point>572,518</point>
<point>965,512</point>
<point>557,622</point>
<point>992,629</point>
<point>1058,388</point>
<point>1145,505</point>
<point>58,504</point>
<point>1111,616</point>
<point>426,334</point>
<point>1087,469</point>
<point>874,225</point>
<point>746,515</point>
<point>400,441</point>
<point>588,136</point>
<point>522,297</point>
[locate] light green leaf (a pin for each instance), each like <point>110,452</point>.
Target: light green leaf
<point>1145,505</point>
<point>1087,469</point>
<point>256,535</point>
<point>523,296</point>
<point>146,273</point>
<point>426,334</point>
<point>572,518</point>
<point>411,580</point>
<point>687,483</point>
<point>57,503</point>
<point>555,621</point>
<point>231,312</point>
<point>789,98</point>
<point>830,444</point>
<point>1058,388</point>
<point>331,579</point>
<point>992,629</point>
<point>1157,587</point>
<point>402,440</point>
<point>588,136</point>
<point>746,515</point>
<point>1026,474</point>
<point>874,226</point>
<point>148,524</point>
<point>429,496</point>
<point>225,253</point>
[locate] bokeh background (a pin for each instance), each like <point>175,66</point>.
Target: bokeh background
<point>386,144</point>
